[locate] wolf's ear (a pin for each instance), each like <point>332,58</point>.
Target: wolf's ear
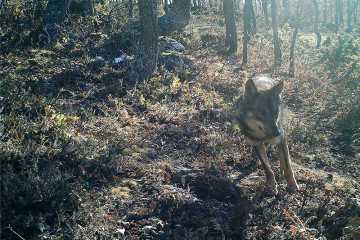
<point>277,89</point>
<point>250,90</point>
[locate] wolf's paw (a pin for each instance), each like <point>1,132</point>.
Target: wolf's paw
<point>292,188</point>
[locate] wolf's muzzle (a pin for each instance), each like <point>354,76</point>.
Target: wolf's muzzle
<point>275,131</point>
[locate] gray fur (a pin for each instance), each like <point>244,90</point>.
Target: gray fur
<point>258,113</point>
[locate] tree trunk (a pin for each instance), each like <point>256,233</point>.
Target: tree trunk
<point>331,11</point>
<point>252,18</point>
<point>231,34</point>
<point>247,27</point>
<point>292,47</point>
<point>266,12</point>
<point>339,14</point>
<point>277,49</point>
<point>349,13</point>
<point>166,7</point>
<point>147,59</point>
<point>286,12</point>
<point>53,19</point>
<point>324,12</point>
<point>227,23</point>
<point>1,5</point>
<point>131,8</point>
<point>176,19</point>
<point>356,12</point>
<point>316,25</point>
<point>89,7</point>
<point>336,16</point>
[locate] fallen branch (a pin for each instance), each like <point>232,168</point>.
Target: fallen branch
<point>9,227</point>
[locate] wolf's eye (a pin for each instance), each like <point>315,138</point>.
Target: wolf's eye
<point>262,111</point>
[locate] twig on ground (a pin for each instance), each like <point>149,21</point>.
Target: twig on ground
<point>9,227</point>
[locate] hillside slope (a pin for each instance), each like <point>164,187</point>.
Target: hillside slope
<point>86,153</point>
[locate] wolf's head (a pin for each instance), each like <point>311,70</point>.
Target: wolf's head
<point>258,108</point>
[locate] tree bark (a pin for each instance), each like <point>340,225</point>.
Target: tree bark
<point>349,14</point>
<point>246,31</point>
<point>231,34</point>
<point>331,5</point>
<point>131,7</point>
<point>336,16</point>
<point>53,19</point>
<point>286,12</point>
<point>325,12</point>
<point>266,12</point>
<point>227,23</point>
<point>316,25</point>
<point>147,58</point>
<point>89,7</point>
<point>277,49</point>
<point>339,14</point>
<point>253,29</point>
<point>176,19</point>
<point>1,5</point>
<point>166,7</point>
<point>293,42</point>
<point>356,11</point>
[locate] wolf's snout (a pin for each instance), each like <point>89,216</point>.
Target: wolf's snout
<point>275,131</point>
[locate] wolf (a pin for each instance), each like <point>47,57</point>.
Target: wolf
<point>258,113</point>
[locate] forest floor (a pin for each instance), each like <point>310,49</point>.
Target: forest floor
<point>107,159</point>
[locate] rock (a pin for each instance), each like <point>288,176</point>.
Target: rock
<point>174,60</point>
<point>169,43</point>
<point>172,57</point>
<point>58,47</point>
<point>122,58</point>
<point>99,58</point>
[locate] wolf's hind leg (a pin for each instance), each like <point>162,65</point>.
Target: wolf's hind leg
<point>285,165</point>
<point>270,176</point>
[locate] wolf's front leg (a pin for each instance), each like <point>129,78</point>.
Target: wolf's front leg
<point>270,176</point>
<point>285,165</point>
